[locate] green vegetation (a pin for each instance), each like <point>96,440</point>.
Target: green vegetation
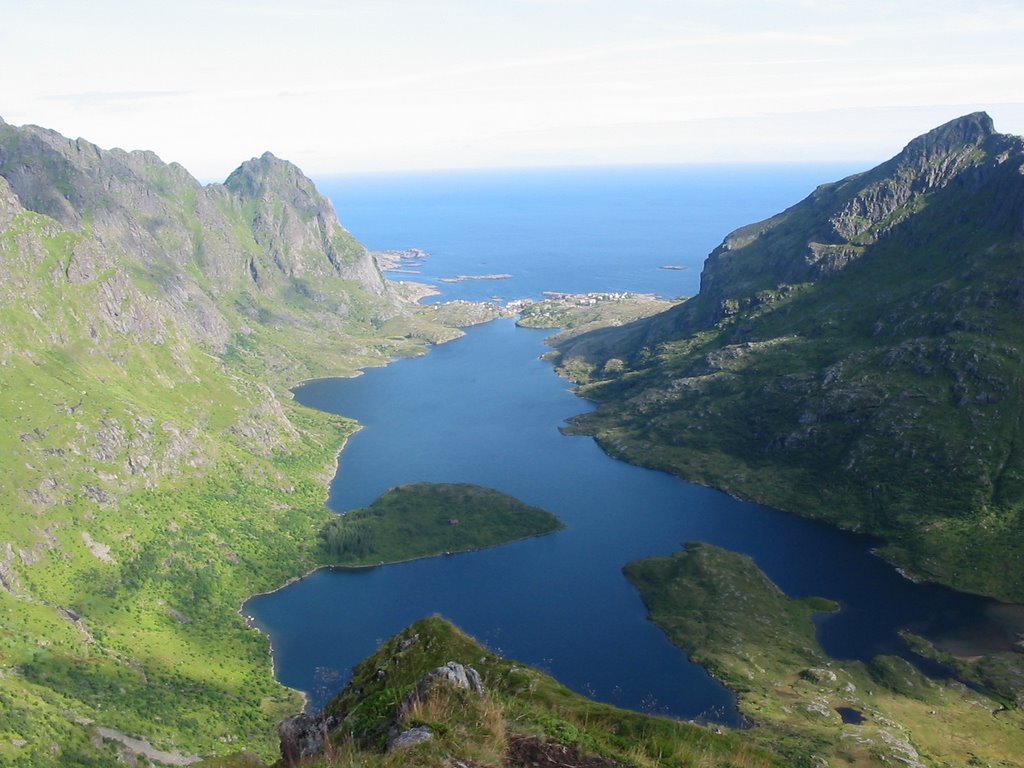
<point>730,618</point>
<point>156,471</point>
<point>122,607</point>
<point>856,358</point>
<point>425,519</point>
<point>458,313</point>
<point>520,707</point>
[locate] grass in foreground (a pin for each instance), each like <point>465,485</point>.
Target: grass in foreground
<point>522,711</point>
<point>426,519</point>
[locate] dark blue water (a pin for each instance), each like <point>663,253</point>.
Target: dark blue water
<point>570,230</point>
<point>485,409</point>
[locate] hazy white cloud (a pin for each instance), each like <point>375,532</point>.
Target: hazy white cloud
<point>111,98</point>
<point>390,84</point>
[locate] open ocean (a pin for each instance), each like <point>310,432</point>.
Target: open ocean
<point>571,230</point>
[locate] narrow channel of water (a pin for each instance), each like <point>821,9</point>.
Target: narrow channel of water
<point>485,409</point>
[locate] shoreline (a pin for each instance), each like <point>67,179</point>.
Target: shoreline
<point>876,543</point>
<point>253,624</point>
<point>383,564</point>
<point>250,621</point>
<point>905,571</point>
<point>450,553</point>
<point>605,449</point>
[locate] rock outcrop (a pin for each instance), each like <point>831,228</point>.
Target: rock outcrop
<point>303,736</point>
<point>411,703</point>
<point>265,230</point>
<point>296,226</point>
<point>835,226</point>
<point>452,674</point>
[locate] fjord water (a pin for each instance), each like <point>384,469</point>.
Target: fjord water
<point>485,409</point>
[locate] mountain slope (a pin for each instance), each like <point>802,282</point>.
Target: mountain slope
<point>855,358</point>
<point>155,469</point>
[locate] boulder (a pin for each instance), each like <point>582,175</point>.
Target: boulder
<point>303,736</point>
<point>453,673</point>
<point>410,737</point>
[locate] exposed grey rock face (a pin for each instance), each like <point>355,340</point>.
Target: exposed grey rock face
<point>8,576</point>
<point>303,736</point>
<point>833,228</point>
<point>410,738</point>
<point>457,675</point>
<point>830,229</point>
<point>261,231</point>
<point>9,204</point>
<point>296,226</point>
<point>453,673</point>
<point>122,276</point>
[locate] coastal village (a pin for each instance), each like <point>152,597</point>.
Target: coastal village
<point>550,311</point>
<point>555,302</point>
<point>547,312</point>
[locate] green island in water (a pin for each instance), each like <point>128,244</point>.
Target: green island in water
<point>427,519</point>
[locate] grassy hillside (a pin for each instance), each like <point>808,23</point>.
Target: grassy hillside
<point>518,717</point>
<point>856,358</point>
<point>156,471</point>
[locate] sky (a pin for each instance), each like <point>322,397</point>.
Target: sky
<point>354,86</point>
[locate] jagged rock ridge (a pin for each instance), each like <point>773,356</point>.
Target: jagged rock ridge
<point>119,257</point>
<point>266,230</point>
<point>297,226</point>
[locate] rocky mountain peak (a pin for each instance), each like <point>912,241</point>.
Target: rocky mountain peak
<point>857,353</point>
<point>839,222</point>
<point>973,129</point>
<point>296,226</point>
<point>267,174</point>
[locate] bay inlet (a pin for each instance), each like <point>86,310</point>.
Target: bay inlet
<point>486,409</point>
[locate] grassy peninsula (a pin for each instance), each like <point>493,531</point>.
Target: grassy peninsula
<point>426,519</point>
<point>729,617</point>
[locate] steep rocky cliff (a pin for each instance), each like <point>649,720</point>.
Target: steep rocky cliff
<point>265,232</point>
<point>838,223</point>
<point>296,226</point>
<point>857,357</point>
